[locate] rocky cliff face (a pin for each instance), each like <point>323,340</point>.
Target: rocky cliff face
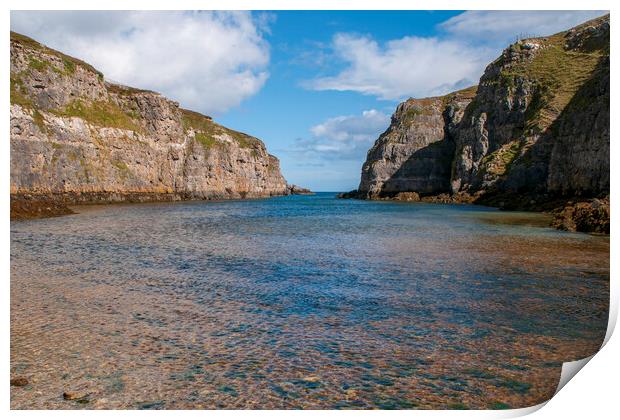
<point>415,153</point>
<point>540,120</point>
<point>77,138</point>
<point>535,130</point>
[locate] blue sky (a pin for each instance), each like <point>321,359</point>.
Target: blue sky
<point>317,87</point>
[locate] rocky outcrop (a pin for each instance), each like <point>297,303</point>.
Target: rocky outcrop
<point>540,120</point>
<point>76,138</point>
<point>415,152</point>
<point>585,216</point>
<point>297,190</point>
<point>534,132</point>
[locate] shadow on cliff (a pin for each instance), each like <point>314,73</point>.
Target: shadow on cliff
<point>546,175</point>
<point>426,171</point>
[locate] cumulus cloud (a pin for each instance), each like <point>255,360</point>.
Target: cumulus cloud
<point>507,24</point>
<point>343,137</point>
<point>208,61</point>
<point>411,66</point>
<point>428,66</point>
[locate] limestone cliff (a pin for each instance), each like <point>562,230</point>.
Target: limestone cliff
<point>415,153</point>
<point>77,138</point>
<point>535,133</point>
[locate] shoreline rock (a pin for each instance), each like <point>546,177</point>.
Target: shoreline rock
<point>19,381</point>
<point>584,216</point>
<point>573,214</point>
<point>36,208</point>
<point>293,189</point>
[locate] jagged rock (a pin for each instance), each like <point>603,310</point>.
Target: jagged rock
<point>349,194</point>
<point>585,216</point>
<point>407,196</point>
<point>76,138</point>
<point>27,207</point>
<point>297,190</point>
<point>445,198</point>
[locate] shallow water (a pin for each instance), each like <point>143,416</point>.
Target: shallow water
<point>300,302</point>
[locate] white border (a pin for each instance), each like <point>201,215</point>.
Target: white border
<point>593,394</point>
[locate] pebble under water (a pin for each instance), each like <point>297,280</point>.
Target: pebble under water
<point>300,302</point>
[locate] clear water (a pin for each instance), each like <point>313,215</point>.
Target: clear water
<point>300,302</point>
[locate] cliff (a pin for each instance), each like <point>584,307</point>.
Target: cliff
<point>77,138</point>
<point>533,135</point>
<point>415,153</point>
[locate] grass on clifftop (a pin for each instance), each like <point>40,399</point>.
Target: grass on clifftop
<point>125,90</point>
<point>103,114</point>
<point>69,62</point>
<point>424,106</point>
<point>208,131</point>
<point>558,74</point>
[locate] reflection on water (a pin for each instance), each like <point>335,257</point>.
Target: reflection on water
<point>299,302</point>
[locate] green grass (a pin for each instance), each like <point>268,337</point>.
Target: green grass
<point>502,158</point>
<point>123,169</point>
<point>125,90</point>
<point>426,106</point>
<point>38,119</point>
<point>68,66</point>
<point>37,64</point>
<point>70,63</point>
<point>557,74</point>
<point>17,93</point>
<point>196,120</point>
<point>206,140</point>
<point>101,113</point>
<point>468,92</point>
<point>122,166</point>
<point>210,129</point>
<point>411,115</point>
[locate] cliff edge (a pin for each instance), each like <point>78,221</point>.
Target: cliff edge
<point>76,138</point>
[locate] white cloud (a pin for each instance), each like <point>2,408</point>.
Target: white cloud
<point>343,137</point>
<point>428,66</point>
<point>506,25</point>
<point>410,66</point>
<point>208,61</point>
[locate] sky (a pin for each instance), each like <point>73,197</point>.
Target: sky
<point>318,87</point>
